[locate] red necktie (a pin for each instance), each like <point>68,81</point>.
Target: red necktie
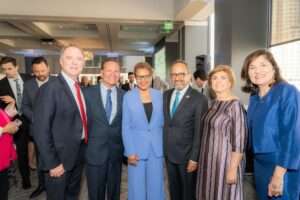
<point>82,112</point>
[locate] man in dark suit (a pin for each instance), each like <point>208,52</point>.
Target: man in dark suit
<point>41,71</point>
<point>130,85</point>
<point>183,109</point>
<point>105,148</point>
<point>60,128</point>
<point>12,85</point>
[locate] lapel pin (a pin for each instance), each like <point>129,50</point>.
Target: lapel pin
<point>188,96</point>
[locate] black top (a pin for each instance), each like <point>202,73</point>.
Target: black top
<point>148,109</point>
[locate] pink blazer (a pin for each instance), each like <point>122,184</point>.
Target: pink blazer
<point>7,149</point>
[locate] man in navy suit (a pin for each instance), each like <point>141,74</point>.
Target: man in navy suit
<point>60,128</point>
<point>12,85</point>
<point>183,110</point>
<point>105,148</point>
<point>41,71</point>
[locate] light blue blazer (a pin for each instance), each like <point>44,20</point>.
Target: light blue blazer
<point>139,136</point>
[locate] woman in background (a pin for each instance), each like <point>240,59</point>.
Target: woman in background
<point>273,118</point>
<point>142,137</point>
<point>7,150</point>
<point>224,137</point>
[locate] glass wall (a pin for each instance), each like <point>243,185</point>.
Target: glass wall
<point>285,21</point>
<point>285,38</point>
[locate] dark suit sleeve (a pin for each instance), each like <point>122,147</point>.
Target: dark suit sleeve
<point>27,108</point>
<point>43,116</point>
<point>201,108</point>
<point>4,90</point>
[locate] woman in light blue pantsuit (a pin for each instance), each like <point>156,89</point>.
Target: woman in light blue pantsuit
<point>142,137</point>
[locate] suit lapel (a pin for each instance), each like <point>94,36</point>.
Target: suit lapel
<point>9,89</point>
<point>119,104</point>
<point>169,95</point>
<point>184,101</point>
<point>140,105</point>
<point>68,91</point>
<point>35,86</point>
<point>102,104</point>
<point>34,89</point>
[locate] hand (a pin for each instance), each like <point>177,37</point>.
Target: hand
<point>10,128</point>
<point>275,187</point>
<point>231,176</point>
<point>133,159</point>
<point>57,171</point>
<point>7,99</point>
<point>191,166</point>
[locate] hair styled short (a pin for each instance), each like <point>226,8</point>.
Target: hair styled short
<point>143,65</point>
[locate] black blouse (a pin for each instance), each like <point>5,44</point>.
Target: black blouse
<point>148,110</point>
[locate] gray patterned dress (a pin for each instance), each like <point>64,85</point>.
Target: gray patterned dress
<point>224,131</point>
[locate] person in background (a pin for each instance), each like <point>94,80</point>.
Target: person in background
<point>223,141</point>
<point>85,82</point>
<point>104,151</point>
<point>12,86</point>
<point>200,78</point>
<point>131,82</point>
<point>99,79</point>
<point>41,72</point>
<point>183,110</point>
<point>158,83</point>
<point>142,137</point>
<point>274,125</point>
<point>8,151</point>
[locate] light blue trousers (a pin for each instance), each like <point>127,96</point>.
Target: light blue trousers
<point>146,180</point>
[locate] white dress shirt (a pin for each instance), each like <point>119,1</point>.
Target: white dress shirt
<point>40,83</point>
<point>71,84</point>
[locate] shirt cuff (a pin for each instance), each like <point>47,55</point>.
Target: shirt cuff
<point>11,111</point>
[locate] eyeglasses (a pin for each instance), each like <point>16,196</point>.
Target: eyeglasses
<point>141,78</point>
<point>179,75</point>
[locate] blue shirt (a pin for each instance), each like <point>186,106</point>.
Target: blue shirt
<point>181,94</point>
<point>113,100</point>
<point>274,124</point>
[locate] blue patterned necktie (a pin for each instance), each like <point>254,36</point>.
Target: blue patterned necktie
<point>108,104</point>
<point>19,94</point>
<point>175,104</point>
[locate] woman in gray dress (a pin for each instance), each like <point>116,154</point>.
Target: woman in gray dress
<point>223,141</point>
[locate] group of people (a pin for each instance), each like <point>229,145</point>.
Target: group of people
<point>201,144</point>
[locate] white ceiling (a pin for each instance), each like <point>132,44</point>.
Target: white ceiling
<point>130,27</point>
<point>47,37</point>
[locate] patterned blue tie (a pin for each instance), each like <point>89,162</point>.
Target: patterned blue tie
<point>108,104</point>
<point>19,94</point>
<point>175,104</point>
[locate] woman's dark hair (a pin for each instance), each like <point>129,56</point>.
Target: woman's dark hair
<point>249,87</point>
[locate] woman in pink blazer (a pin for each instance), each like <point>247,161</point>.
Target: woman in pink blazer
<point>7,152</point>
